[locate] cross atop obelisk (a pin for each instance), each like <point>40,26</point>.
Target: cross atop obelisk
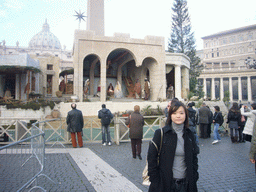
<point>95,16</point>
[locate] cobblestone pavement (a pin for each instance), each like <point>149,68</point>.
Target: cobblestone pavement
<point>223,167</point>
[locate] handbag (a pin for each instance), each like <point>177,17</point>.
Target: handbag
<point>145,176</point>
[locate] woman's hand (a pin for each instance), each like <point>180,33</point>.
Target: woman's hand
<point>252,160</point>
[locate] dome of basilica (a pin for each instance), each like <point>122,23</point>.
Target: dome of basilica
<point>45,39</point>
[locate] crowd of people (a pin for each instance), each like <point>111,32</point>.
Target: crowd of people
<point>172,153</point>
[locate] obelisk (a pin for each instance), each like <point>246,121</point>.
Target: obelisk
<point>95,16</point>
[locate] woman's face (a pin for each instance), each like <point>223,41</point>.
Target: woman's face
<point>178,117</point>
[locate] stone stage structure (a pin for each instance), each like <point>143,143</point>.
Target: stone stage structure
<point>119,58</point>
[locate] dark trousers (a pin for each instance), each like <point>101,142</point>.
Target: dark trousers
<point>136,147</point>
<point>241,135</point>
<point>209,130</point>
<point>179,186</point>
<point>79,138</point>
<point>203,130</point>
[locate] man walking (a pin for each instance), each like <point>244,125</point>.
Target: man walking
<point>105,115</point>
<point>75,124</point>
<point>204,120</point>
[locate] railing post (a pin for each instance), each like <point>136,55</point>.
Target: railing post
<point>116,129</point>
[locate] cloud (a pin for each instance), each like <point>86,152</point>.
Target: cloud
<point>13,4</point>
<point>8,26</point>
<point>3,13</point>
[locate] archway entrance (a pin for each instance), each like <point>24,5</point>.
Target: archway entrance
<point>91,76</point>
<point>120,75</point>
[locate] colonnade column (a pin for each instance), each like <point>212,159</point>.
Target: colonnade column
<point>205,89</point>
<point>239,89</point>
<point>230,89</point>
<point>177,81</point>
<point>249,88</point>
<point>221,89</point>
<point>213,89</point>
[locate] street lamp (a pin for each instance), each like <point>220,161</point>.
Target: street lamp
<point>250,62</point>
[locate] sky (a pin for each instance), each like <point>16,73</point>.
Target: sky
<point>20,20</point>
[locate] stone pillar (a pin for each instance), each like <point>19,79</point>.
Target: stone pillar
<point>213,89</point>
<point>230,89</point>
<point>239,89</point>
<point>249,88</point>
<point>205,89</point>
<point>185,82</point>
<point>103,80</point>
<point>177,81</point>
<point>221,89</point>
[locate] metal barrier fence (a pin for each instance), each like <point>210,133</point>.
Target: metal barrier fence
<point>56,129</point>
<point>22,162</point>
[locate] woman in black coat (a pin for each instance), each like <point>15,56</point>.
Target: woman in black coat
<point>177,168</point>
<point>234,121</point>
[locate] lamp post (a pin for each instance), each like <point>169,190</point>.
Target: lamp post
<point>250,62</point>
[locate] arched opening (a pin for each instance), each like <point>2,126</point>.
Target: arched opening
<point>120,67</point>
<point>170,84</point>
<point>148,72</point>
<point>91,76</point>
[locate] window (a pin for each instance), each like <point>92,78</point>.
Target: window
<point>250,49</point>
<point>49,67</point>
<point>241,38</point>
<point>232,39</point>
<point>224,41</point>
<point>249,36</point>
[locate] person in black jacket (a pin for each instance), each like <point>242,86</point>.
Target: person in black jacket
<point>217,120</point>
<point>192,120</point>
<point>75,124</point>
<point>209,128</point>
<point>177,168</point>
<point>105,115</point>
<point>234,121</point>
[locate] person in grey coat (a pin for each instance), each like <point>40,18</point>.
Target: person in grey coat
<point>204,120</point>
<point>135,122</point>
<point>75,124</point>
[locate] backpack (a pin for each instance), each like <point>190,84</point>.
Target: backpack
<point>106,119</point>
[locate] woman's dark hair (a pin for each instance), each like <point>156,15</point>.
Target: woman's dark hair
<point>174,107</point>
<point>235,107</point>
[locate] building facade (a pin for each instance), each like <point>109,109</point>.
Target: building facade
<point>228,57</point>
